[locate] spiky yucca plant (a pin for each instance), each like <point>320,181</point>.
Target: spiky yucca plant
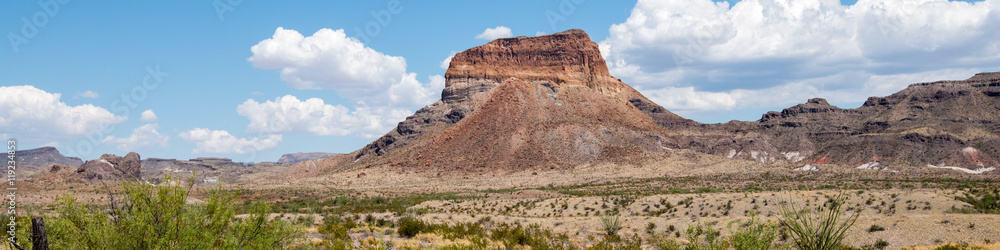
<point>822,231</point>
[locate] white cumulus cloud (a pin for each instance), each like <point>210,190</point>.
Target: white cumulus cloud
<point>328,59</point>
<point>410,92</point>
<point>288,114</point>
<point>383,92</point>
<point>148,116</point>
<point>221,142</point>
<point>723,57</point>
<point>36,116</point>
<point>691,103</point>
<point>447,61</point>
<point>144,137</point>
<point>495,33</point>
<point>89,94</point>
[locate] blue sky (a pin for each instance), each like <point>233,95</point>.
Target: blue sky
<point>213,95</point>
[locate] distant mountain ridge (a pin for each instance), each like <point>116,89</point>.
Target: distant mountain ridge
<point>549,102</point>
<point>43,156</point>
<point>298,157</point>
<point>47,164</point>
<point>939,124</point>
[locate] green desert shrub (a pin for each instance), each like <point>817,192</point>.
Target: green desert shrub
<point>960,246</point>
<point>335,228</point>
<point>752,235</point>
<point>615,242</point>
<point>701,236</point>
<point>704,236</point>
<point>533,236</point>
<point>410,226</point>
<point>157,217</point>
<point>755,234</point>
<point>983,200</point>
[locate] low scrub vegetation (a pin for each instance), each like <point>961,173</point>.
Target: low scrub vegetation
<point>158,217</point>
<point>479,235</point>
<point>611,224</point>
<point>982,200</point>
<point>822,231</point>
<point>606,215</point>
<point>754,234</point>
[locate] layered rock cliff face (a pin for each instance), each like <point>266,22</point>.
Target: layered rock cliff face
<point>939,124</point>
<point>515,103</point>
<point>549,102</point>
<point>565,58</point>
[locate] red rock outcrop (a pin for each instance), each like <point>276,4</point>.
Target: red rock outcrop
<point>567,57</point>
<point>549,102</point>
<point>524,102</point>
<point>111,168</point>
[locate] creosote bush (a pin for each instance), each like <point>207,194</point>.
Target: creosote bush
<point>755,235</point>
<point>700,236</point>
<point>982,200</point>
<point>157,217</point>
<point>409,227</point>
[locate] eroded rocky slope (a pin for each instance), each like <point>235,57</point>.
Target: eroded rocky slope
<point>38,159</point>
<point>549,102</point>
<point>520,103</point>
<point>938,124</point>
<point>108,167</point>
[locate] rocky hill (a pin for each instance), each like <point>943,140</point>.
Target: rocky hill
<point>206,170</point>
<point>519,103</point>
<point>40,158</point>
<point>945,124</point>
<point>106,168</point>
<point>297,157</point>
<point>548,102</point>
<point>112,168</point>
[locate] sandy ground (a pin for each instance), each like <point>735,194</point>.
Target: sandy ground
<point>910,217</point>
<point>914,215</point>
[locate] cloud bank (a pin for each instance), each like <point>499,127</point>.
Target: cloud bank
<point>382,91</point>
<point>221,142</point>
<point>39,117</point>
<point>495,33</point>
<point>700,56</point>
<point>144,137</point>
